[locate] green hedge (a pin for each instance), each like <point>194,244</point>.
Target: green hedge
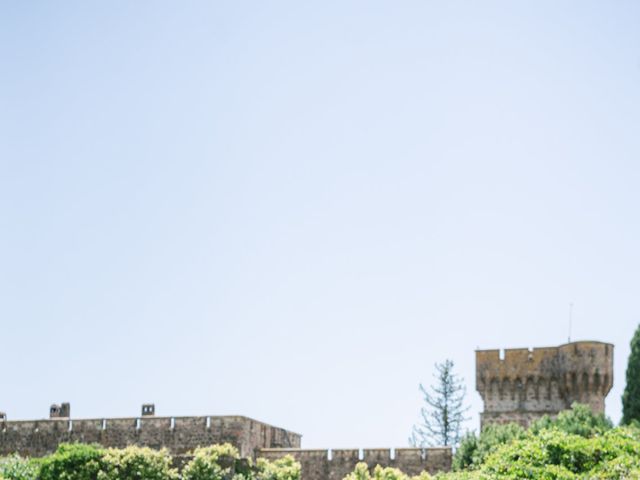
<point>91,462</point>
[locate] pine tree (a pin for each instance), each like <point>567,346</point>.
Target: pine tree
<point>443,415</point>
<point>631,395</point>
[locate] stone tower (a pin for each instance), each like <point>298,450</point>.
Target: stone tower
<point>523,385</point>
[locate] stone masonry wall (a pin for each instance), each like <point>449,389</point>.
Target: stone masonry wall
<point>527,384</point>
<point>178,434</point>
<point>336,464</point>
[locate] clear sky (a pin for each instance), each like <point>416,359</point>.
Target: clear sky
<point>291,210</point>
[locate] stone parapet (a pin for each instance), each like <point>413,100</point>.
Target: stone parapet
<point>336,464</point>
<point>522,385</point>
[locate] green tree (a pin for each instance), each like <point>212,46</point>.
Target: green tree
<point>443,415</point>
<point>580,420</point>
<point>631,395</point>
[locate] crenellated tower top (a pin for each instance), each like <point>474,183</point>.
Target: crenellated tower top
<point>520,385</point>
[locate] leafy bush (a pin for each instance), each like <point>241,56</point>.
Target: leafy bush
<point>137,463</point>
<point>73,462</point>
<point>466,475</point>
<point>18,468</point>
<point>90,462</point>
<point>473,450</point>
<point>580,420</point>
<point>222,462</point>
<point>466,452</point>
<point>217,462</point>
<point>361,472</point>
<point>285,468</point>
<point>577,445</point>
<point>555,454</point>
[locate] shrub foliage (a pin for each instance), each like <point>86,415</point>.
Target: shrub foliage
<point>577,445</point>
<point>137,463</point>
<point>17,468</point>
<point>73,462</point>
<point>92,462</point>
<point>361,472</point>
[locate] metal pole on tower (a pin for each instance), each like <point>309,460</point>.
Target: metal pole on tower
<point>570,319</point>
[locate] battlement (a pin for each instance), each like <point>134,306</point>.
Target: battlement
<point>178,434</point>
<point>521,384</point>
<point>181,435</point>
<point>60,411</point>
<point>336,464</point>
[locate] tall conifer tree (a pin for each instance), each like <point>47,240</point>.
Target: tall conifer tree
<point>444,411</point>
<point>631,395</point>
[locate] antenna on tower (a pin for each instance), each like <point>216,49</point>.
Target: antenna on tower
<point>570,319</point>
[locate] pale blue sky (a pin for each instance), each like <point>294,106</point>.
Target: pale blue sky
<point>291,210</point>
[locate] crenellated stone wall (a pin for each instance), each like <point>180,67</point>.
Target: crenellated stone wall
<point>523,385</point>
<point>336,464</point>
<point>517,385</point>
<point>179,435</point>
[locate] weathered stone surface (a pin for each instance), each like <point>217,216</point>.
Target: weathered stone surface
<point>336,464</point>
<point>179,435</point>
<point>526,384</point>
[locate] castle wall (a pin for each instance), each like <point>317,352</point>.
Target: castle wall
<point>526,384</point>
<point>179,435</point>
<point>336,464</point>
